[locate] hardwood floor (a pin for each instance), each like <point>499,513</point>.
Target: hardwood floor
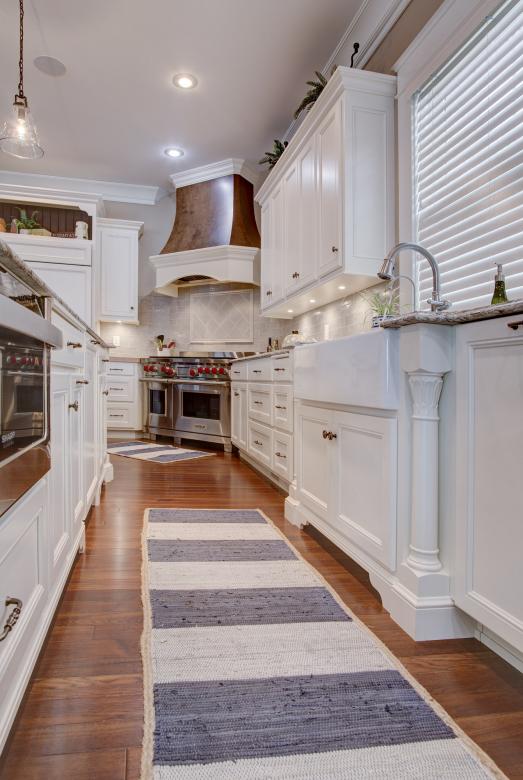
<point>82,715</point>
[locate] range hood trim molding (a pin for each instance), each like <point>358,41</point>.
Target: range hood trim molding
<point>233,165</point>
<point>221,263</point>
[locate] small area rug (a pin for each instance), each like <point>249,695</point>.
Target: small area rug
<point>254,669</point>
<point>156,453</point>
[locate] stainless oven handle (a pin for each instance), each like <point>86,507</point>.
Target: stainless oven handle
<point>16,317</point>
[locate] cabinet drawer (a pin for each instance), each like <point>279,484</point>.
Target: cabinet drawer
<point>283,407</point>
<point>260,370</point>
<point>260,403</point>
<point>282,454</point>
<point>260,443</point>
<point>121,389</point>
<point>121,369</point>
<point>282,368</point>
<point>73,351</point>
<point>119,416</point>
<point>239,371</point>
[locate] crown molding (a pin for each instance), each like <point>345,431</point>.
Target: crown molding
<point>214,171</point>
<point>121,224</point>
<point>90,190</point>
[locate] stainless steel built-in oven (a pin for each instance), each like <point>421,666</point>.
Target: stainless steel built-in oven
<point>25,338</point>
<point>160,405</point>
<point>203,408</point>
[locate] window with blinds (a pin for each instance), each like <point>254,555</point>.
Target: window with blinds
<point>468,182</point>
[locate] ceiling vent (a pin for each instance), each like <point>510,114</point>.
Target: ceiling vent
<point>214,236</point>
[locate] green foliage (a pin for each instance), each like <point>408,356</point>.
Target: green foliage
<point>271,158</point>
<point>26,222</point>
<point>384,303</point>
<point>316,88</point>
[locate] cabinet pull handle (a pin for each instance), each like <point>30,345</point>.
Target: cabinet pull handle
<point>259,443</point>
<point>329,435</point>
<point>258,403</point>
<point>334,248</point>
<point>82,381</point>
<point>95,341</point>
<point>74,406</point>
<point>236,395</point>
<point>296,275</point>
<point>256,371</point>
<point>115,415</point>
<point>202,427</point>
<point>105,392</point>
<point>279,407</point>
<point>280,369</point>
<point>105,360</point>
<point>515,325</point>
<point>10,623</point>
<point>269,292</point>
<point>115,369</point>
<point>236,372</point>
<point>280,455</point>
<point>74,344</point>
<point>116,388</point>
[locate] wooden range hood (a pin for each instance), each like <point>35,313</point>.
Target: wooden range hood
<point>214,236</point>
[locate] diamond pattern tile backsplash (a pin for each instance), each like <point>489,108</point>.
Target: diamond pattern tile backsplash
<point>221,317</point>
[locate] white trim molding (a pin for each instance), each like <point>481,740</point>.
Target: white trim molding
<point>215,171</point>
<point>67,189</point>
<point>122,224</point>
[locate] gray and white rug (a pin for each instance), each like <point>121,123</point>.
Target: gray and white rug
<point>156,453</point>
<point>255,669</point>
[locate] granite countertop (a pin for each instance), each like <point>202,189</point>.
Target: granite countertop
<point>11,262</point>
<point>264,355</point>
<point>449,317</point>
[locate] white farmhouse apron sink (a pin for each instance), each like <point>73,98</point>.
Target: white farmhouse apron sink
<point>360,370</point>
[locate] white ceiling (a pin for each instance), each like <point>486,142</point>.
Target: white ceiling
<point>115,111</point>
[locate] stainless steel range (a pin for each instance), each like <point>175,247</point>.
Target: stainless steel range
<point>189,396</point>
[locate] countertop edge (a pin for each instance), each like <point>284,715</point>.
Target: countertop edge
<point>511,308</point>
<point>261,355</point>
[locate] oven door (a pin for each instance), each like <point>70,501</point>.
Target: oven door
<point>203,408</point>
<point>160,405</point>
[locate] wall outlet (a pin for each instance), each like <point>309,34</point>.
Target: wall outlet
<point>116,341</point>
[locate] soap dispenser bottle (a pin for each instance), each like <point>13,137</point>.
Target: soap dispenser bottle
<point>500,293</point>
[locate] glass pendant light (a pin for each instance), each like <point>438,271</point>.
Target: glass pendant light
<point>18,136</point>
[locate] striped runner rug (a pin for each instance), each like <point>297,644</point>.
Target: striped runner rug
<point>156,453</point>
<point>255,669</point>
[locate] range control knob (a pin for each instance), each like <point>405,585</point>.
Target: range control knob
<point>221,370</point>
<point>200,369</point>
<point>207,370</point>
<point>192,372</point>
<point>214,370</point>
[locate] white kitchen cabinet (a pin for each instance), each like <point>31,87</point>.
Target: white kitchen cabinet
<point>117,243</point>
<point>124,396</point>
<point>76,451</point>
<point>262,414</point>
<point>313,461</point>
<point>60,514</point>
<point>90,404</point>
<point>272,239</point>
<point>72,283</point>
<point>346,476</point>
<point>239,415</point>
<point>336,193</point>
<point>488,580</point>
<point>330,192</point>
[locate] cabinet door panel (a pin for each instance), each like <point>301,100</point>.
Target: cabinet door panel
<point>312,455</point>
<point>330,167</point>
<point>70,282</point>
<point>239,415</point>
<point>90,404</point>
<point>365,478</point>
<point>59,487</point>
<point>292,225</point>
<point>119,274</point>
<point>489,528</point>
<point>308,210</point>
<point>267,256</point>
<point>76,445</point>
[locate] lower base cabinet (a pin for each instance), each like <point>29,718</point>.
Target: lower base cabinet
<point>346,475</point>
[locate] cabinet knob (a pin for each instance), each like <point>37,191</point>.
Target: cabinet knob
<point>334,248</point>
<point>259,443</point>
<point>105,392</point>
<point>132,308</point>
<point>10,623</point>
<point>269,292</point>
<point>329,435</point>
<point>236,395</point>
<point>296,275</point>
<point>74,406</point>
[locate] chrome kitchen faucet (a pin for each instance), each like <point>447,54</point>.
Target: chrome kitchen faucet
<point>386,272</point>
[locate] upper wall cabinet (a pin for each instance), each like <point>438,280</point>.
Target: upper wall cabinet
<point>118,261</point>
<point>328,207</point>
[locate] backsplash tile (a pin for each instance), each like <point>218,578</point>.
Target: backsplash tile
<point>343,317</point>
<point>170,317</point>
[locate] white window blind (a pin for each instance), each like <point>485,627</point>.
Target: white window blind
<point>468,182</point>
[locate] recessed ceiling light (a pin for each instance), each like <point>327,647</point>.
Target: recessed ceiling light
<point>312,300</point>
<point>290,311</point>
<point>341,287</point>
<point>185,80</point>
<point>50,66</point>
<point>172,151</point>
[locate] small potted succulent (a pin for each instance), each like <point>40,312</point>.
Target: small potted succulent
<point>384,306</point>
<point>26,224</point>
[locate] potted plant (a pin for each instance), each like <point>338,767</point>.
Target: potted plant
<point>316,88</point>
<point>384,306</point>
<point>24,223</point>
<point>271,158</point>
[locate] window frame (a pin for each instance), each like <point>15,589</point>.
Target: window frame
<point>445,33</point>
